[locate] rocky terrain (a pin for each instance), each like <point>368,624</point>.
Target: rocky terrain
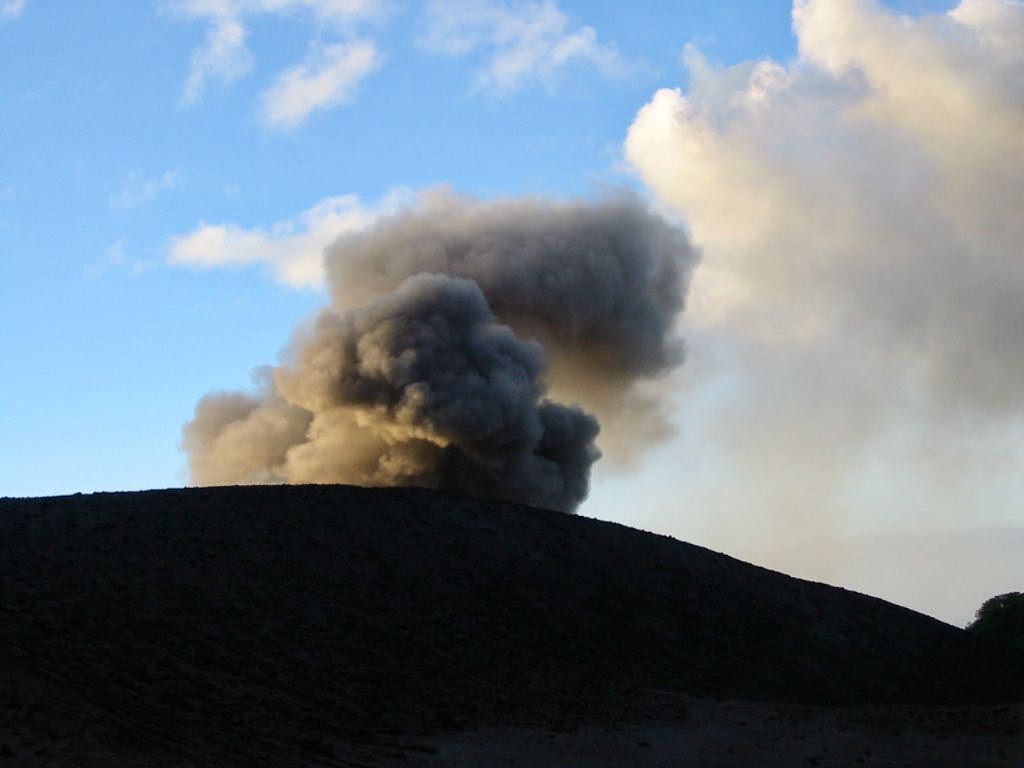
<point>331,625</point>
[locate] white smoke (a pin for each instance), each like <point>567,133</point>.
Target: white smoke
<point>860,213</point>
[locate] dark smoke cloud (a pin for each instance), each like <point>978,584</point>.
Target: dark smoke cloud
<point>605,280</point>
<point>599,285</point>
<point>421,374</point>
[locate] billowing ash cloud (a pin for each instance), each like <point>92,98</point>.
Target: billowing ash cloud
<point>859,209</point>
<point>600,286</point>
<point>431,369</point>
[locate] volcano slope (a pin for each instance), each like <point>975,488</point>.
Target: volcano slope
<point>276,625</point>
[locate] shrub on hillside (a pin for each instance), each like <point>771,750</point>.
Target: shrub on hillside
<point>1001,619</point>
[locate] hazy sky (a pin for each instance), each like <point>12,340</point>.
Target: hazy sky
<point>852,171</point>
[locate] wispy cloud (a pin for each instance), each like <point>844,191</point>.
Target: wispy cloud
<point>327,79</point>
<point>224,55</point>
<point>291,249</point>
<point>114,258</point>
<point>11,9</point>
<point>138,189</point>
<point>523,42</point>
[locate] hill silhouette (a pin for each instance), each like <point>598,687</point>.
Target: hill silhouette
<point>231,623</point>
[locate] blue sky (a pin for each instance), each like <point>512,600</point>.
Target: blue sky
<point>102,164</point>
<point>124,130</point>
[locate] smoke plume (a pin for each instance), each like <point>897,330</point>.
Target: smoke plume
<point>431,368</point>
<point>600,286</point>
<point>858,303</point>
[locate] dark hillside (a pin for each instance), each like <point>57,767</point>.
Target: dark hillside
<point>256,616</point>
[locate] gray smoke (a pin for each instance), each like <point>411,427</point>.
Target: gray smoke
<point>421,375</point>
<point>601,286</point>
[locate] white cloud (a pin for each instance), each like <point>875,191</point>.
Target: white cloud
<point>138,190</point>
<point>862,283</point>
<point>224,55</point>
<point>327,80</point>
<point>525,41</point>
<point>11,9</point>
<point>291,249</point>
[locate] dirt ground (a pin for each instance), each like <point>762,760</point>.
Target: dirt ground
<point>323,626</point>
<point>700,733</point>
<point>737,735</point>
